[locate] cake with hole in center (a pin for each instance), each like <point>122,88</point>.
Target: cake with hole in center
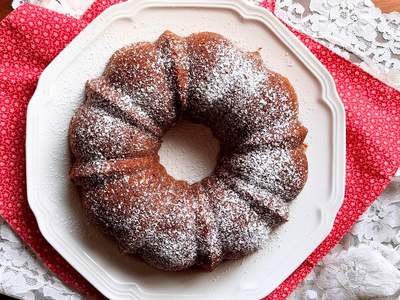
<point>116,133</point>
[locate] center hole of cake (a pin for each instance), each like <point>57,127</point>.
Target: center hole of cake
<point>189,151</point>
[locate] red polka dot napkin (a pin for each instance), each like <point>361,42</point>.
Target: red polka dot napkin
<point>31,37</point>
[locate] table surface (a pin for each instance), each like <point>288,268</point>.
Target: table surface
<point>5,8</point>
<point>388,5</point>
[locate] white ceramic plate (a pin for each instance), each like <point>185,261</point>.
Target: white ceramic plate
<point>60,90</point>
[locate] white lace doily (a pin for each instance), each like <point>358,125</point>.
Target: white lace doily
<point>73,8</point>
<point>366,264</point>
<point>355,29</point>
<point>22,275</point>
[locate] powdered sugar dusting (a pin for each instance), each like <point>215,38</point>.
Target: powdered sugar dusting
<point>144,90</point>
<point>276,170</point>
<point>230,74</point>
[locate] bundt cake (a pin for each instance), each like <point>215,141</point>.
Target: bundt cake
<point>116,133</point>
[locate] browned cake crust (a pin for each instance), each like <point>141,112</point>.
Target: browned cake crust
<point>116,133</point>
